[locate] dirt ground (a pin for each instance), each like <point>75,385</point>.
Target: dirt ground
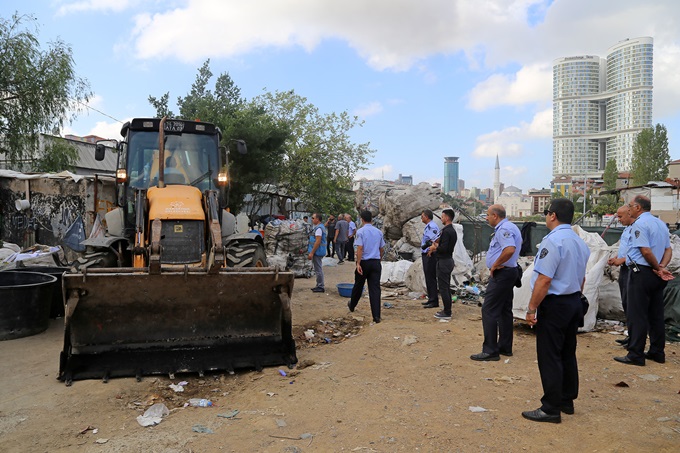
<point>368,392</point>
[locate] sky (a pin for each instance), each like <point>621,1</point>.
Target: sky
<point>429,78</point>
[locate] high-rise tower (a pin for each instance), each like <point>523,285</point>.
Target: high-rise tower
<point>450,174</point>
<point>599,107</point>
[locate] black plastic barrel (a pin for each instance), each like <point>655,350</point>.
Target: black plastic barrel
<point>57,305</point>
<point>25,299</point>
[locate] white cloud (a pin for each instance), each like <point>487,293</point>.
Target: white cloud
<point>666,80</point>
<point>382,172</point>
<point>370,109</point>
<point>93,5</point>
<point>507,142</point>
<point>107,130</point>
<point>530,84</point>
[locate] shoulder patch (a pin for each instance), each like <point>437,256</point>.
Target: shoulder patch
<point>637,234</point>
<point>434,230</point>
<point>506,234</point>
<point>544,253</point>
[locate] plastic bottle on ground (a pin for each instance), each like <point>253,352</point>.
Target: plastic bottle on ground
<point>200,402</point>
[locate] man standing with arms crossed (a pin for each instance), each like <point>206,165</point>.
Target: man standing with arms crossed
<point>430,234</point>
<point>556,310</point>
<point>649,253</point>
<point>370,250</point>
<point>623,214</point>
<point>501,259</point>
<point>443,247</point>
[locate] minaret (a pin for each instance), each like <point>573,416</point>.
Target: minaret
<point>497,181</point>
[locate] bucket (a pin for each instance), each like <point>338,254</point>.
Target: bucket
<point>345,289</point>
<point>57,304</point>
<point>25,299</point>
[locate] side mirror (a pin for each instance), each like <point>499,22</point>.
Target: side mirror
<point>99,152</point>
<point>241,146</point>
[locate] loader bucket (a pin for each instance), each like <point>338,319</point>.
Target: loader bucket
<point>123,322</point>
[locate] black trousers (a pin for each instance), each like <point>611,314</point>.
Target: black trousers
<point>444,269</point>
<point>340,248</point>
<point>330,248</point>
<point>645,312</point>
<point>497,311</point>
<point>350,249</point>
<point>430,271</point>
<point>623,283</point>
<point>371,274</point>
<point>557,323</point>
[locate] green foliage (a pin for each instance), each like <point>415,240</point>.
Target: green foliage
<point>607,204</point>
<point>650,156</point>
<point>321,160</point>
<point>611,174</point>
<point>39,89</point>
<point>59,155</point>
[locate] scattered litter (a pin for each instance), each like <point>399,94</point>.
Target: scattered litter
<point>95,431</point>
<point>153,415</point>
<point>415,295</point>
<point>472,290</point>
<point>306,436</point>
<point>183,383</point>
<point>176,388</point>
<point>309,334</point>
<point>503,379</point>
<point>649,377</point>
<point>507,361</point>
<point>101,441</point>
<point>388,305</point>
<point>231,414</point>
<point>281,423</point>
<point>358,318</point>
<point>199,402</point>
<point>409,340</point>
<point>623,384</point>
<point>270,394</point>
<point>282,373</point>
<point>202,429</point>
<point>321,365</point>
<point>396,338</point>
<point>86,429</point>
<point>477,409</point>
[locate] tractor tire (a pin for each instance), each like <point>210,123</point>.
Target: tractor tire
<point>248,254</point>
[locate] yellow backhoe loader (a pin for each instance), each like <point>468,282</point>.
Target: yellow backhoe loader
<point>180,291</point>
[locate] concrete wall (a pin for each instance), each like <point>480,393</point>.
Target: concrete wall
<point>55,204</point>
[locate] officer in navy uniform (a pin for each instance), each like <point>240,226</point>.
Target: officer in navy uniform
<point>649,253</point>
<point>501,259</point>
<point>623,214</point>
<point>430,234</point>
<point>555,308</point>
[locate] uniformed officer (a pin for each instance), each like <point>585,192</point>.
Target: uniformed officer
<point>556,310</point>
<point>370,249</point>
<point>501,259</point>
<point>649,253</point>
<point>430,234</point>
<point>623,214</point>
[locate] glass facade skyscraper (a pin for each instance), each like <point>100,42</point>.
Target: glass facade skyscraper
<point>599,107</point>
<point>450,174</point>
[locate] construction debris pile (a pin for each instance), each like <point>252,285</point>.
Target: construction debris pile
<point>285,243</point>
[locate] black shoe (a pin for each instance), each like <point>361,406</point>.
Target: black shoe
<point>505,353</point>
<point>539,416</point>
<point>430,305</point>
<point>318,290</point>
<point>656,356</point>
<point>351,260</point>
<point>484,357</point>
<point>376,320</point>
<point>623,341</point>
<point>427,302</point>
<point>569,410</point>
<point>341,262</point>
<point>442,315</point>
<point>349,305</point>
<point>628,361</point>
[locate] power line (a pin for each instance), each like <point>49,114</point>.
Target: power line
<point>98,111</point>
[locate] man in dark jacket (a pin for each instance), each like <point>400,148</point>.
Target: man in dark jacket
<point>443,248</point>
<point>330,226</point>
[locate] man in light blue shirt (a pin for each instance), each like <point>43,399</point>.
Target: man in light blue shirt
<point>430,234</point>
<point>623,214</point>
<point>351,232</point>
<point>555,308</point>
<point>501,259</point>
<point>370,249</point>
<point>647,257</point>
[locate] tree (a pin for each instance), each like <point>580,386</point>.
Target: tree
<point>650,156</point>
<point>611,174</point>
<point>39,89</point>
<point>224,106</point>
<point>321,159</point>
